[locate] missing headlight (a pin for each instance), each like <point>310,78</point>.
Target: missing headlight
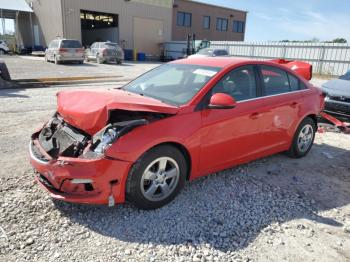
<point>109,134</point>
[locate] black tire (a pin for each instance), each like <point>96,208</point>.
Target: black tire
<point>98,59</point>
<point>56,61</point>
<point>4,72</point>
<point>119,62</point>
<point>134,192</point>
<point>294,150</point>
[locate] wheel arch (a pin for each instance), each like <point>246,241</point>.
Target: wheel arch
<point>183,150</point>
<point>313,117</point>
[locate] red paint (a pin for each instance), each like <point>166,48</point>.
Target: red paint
<point>222,100</point>
<point>88,109</point>
<point>301,68</point>
<point>215,139</point>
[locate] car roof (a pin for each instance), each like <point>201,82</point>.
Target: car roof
<point>212,61</point>
<point>227,61</point>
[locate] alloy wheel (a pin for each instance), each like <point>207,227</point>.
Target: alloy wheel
<point>160,178</point>
<point>305,138</point>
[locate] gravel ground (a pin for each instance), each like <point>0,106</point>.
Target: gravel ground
<point>273,209</point>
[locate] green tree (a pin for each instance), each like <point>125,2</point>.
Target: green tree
<point>340,41</point>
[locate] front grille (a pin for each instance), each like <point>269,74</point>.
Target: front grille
<point>340,98</point>
<point>341,108</point>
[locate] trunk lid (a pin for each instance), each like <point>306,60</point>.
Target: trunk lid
<point>88,110</point>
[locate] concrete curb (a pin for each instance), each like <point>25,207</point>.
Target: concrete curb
<point>29,85</point>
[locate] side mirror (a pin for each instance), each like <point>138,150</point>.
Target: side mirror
<point>222,101</point>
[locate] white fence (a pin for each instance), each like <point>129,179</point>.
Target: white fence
<point>326,58</point>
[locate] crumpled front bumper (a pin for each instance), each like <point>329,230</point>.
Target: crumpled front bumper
<point>91,181</point>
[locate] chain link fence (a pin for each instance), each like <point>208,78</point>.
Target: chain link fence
<point>326,58</point>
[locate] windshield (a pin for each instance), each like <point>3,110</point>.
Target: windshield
<point>173,83</point>
<point>110,45</point>
<point>70,44</point>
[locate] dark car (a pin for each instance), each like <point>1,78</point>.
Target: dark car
<point>346,76</point>
<point>337,101</point>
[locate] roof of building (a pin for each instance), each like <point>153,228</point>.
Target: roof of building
<point>15,5</point>
<point>218,6</point>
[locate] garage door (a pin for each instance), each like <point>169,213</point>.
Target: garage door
<point>148,34</point>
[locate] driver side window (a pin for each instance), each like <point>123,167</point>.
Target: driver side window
<point>240,83</point>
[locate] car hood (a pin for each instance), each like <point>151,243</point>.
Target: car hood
<point>337,87</point>
<point>88,110</point>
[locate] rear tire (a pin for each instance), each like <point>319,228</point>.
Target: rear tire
<point>98,59</point>
<point>156,178</point>
<point>56,60</point>
<point>303,139</point>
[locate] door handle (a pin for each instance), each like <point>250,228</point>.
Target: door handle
<point>255,115</point>
<point>294,104</point>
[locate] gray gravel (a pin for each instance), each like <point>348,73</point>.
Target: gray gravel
<point>213,218</point>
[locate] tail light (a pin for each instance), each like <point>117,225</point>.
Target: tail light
<point>79,50</point>
<point>62,50</point>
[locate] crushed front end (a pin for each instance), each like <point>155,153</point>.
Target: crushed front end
<point>72,166</point>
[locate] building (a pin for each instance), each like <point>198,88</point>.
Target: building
<point>136,24</point>
<point>209,22</point>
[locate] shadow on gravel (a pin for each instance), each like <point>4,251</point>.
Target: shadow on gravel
<point>67,64</point>
<point>228,210</point>
<point>12,93</point>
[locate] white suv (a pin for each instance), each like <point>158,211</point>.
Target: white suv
<point>3,47</point>
<point>65,50</point>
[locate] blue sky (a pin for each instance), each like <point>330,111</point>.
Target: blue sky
<point>293,20</point>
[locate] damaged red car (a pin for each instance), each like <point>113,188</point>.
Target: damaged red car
<point>177,122</point>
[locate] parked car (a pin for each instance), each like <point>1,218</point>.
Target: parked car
<point>337,101</point>
<point>210,52</point>
<point>178,122</point>
<point>105,52</point>
<point>4,47</point>
<point>65,50</point>
<point>346,76</point>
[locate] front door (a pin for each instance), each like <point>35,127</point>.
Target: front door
<point>231,136</point>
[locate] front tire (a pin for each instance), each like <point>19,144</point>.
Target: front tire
<point>303,139</point>
<point>156,178</point>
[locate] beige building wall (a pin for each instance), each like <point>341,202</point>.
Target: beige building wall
<point>198,11</point>
<point>127,11</point>
<point>47,16</point>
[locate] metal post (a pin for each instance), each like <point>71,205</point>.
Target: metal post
<point>284,51</point>
<point>2,23</point>
<point>321,59</point>
<point>252,51</point>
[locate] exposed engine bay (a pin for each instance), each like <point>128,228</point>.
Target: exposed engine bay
<point>59,138</point>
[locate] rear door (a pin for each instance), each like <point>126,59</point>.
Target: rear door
<point>283,99</point>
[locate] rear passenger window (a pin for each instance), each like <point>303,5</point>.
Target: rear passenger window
<point>275,80</point>
<point>294,83</point>
<point>239,83</point>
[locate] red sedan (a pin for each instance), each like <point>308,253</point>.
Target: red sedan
<point>178,122</point>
